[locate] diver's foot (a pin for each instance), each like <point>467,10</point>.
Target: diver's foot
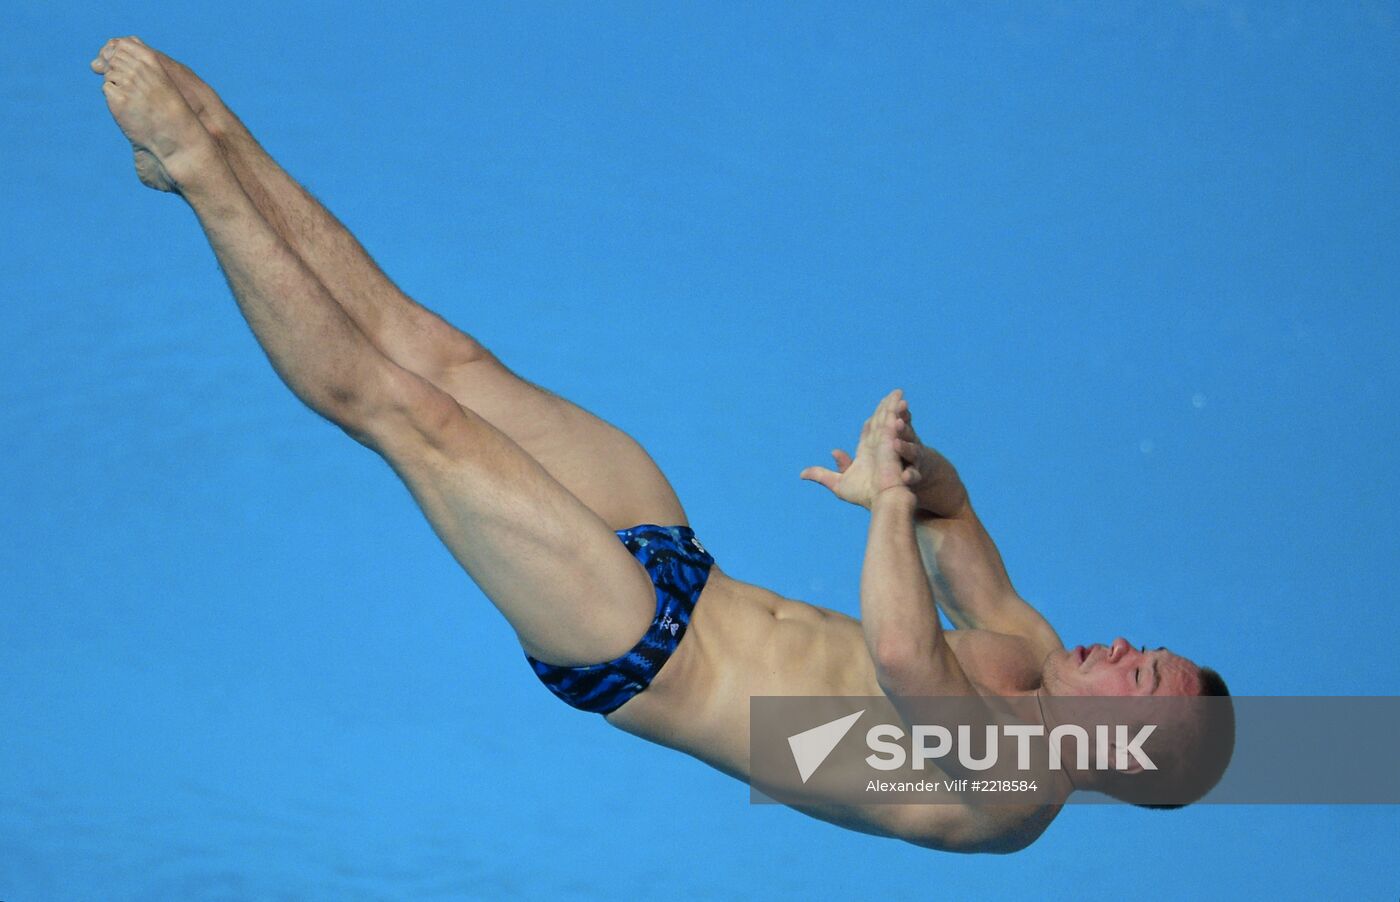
<point>169,143</point>
<point>216,118</point>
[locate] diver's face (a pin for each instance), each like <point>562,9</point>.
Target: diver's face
<point>1120,670</point>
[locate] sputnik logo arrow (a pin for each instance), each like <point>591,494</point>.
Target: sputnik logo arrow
<point>811,747</point>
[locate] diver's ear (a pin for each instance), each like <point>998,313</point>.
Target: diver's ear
<point>1121,757</point>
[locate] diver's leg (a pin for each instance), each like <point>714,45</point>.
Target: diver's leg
<point>600,464</point>
<point>572,592</point>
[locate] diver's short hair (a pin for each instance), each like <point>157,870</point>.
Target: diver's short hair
<point>1212,683</point>
<point>1220,725</point>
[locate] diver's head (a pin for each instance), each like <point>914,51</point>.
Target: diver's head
<point>1187,705</point>
<point>1120,669</point>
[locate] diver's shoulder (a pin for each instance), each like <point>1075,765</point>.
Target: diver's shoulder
<point>988,829</point>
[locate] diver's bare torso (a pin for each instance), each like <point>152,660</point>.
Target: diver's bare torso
<point>746,641</point>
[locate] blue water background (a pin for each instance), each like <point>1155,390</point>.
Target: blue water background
<point>1136,265</point>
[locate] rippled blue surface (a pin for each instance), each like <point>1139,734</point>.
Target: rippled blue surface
<point>1135,265</point>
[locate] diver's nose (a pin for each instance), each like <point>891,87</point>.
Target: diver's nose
<point>1119,648</point>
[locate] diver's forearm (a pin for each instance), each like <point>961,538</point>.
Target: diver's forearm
<point>940,490</point>
<point>897,607</point>
<point>963,566</point>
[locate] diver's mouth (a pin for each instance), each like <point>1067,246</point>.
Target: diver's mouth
<point>1081,654</point>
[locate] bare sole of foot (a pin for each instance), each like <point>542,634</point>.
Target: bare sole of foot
<point>166,137</point>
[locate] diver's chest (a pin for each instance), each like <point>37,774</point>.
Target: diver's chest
<point>998,663</point>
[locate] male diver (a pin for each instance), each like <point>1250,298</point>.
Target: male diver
<point>571,530</point>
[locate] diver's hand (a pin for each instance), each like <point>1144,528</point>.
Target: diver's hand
<point>939,489</point>
<point>878,465</point>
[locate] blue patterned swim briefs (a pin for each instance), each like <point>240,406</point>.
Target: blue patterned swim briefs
<point>678,566</point>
